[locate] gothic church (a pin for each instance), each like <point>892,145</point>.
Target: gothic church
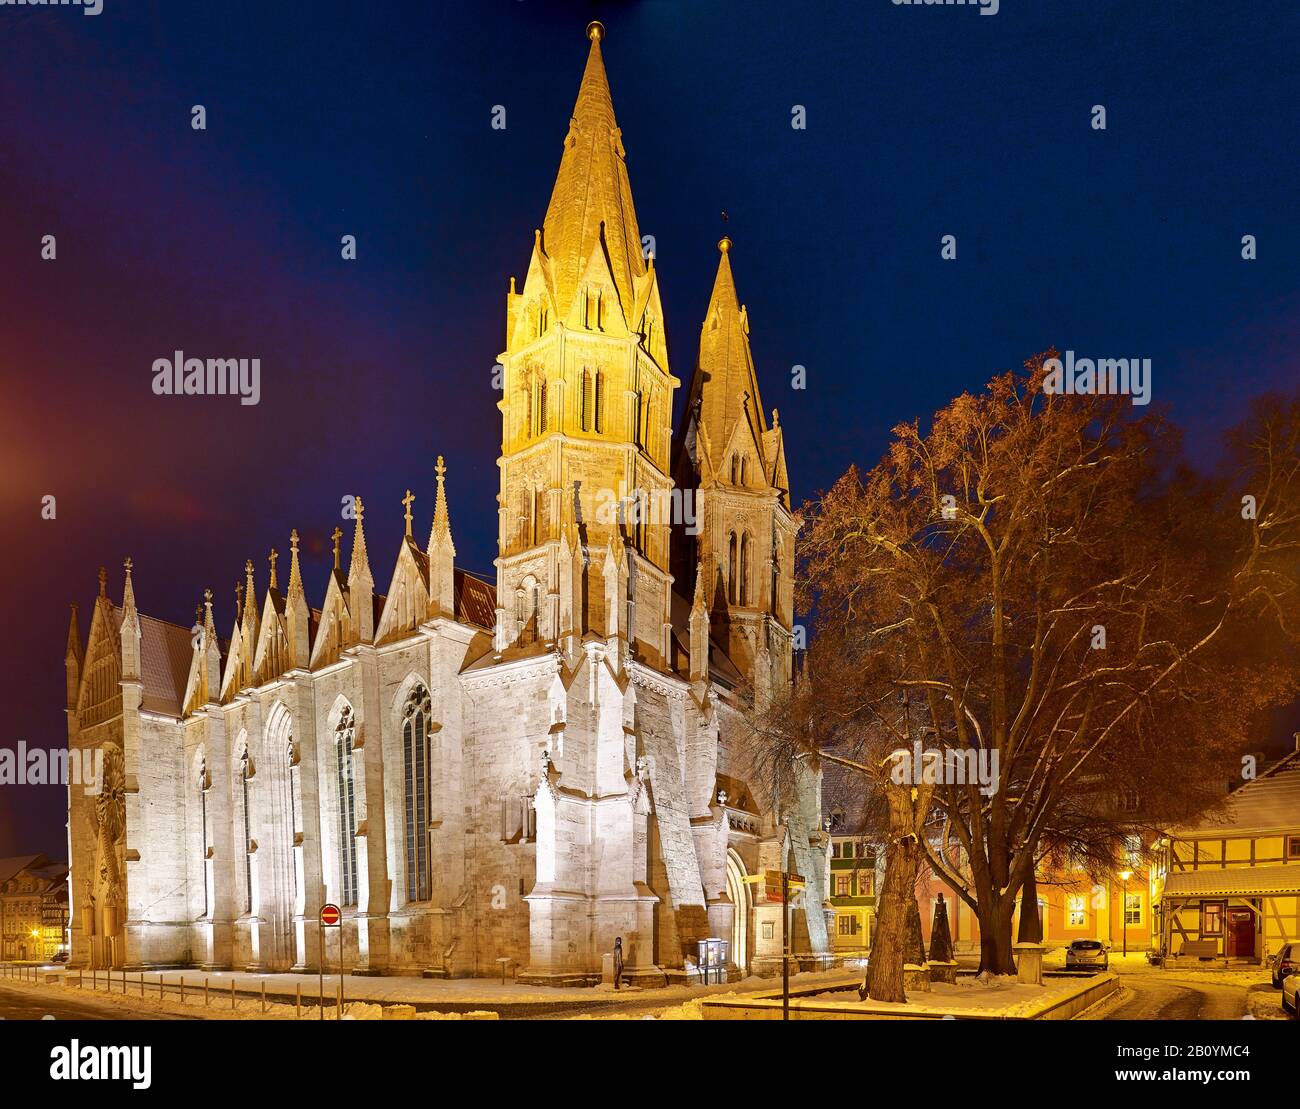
<point>477,772</point>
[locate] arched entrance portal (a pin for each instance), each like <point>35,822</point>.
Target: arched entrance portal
<point>741,900</point>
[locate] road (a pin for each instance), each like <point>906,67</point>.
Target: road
<point>28,1004</point>
<point>1165,996</point>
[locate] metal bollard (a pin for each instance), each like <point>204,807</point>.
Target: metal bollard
<point>232,995</point>
<point>263,996</point>
<point>182,989</point>
<point>297,1003</point>
<point>205,993</point>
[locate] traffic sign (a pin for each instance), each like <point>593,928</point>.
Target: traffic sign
<point>330,916</point>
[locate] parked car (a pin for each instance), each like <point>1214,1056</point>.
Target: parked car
<point>1285,962</point>
<point>60,957</point>
<point>1291,994</point>
<point>1092,954</point>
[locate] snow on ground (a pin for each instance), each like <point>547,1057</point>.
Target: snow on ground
<point>366,998</point>
<point>1002,995</point>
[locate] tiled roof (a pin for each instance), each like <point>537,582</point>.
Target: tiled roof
<point>1268,805</point>
<point>165,654</point>
<point>166,651</point>
<point>15,863</point>
<point>1234,881</point>
<point>476,601</point>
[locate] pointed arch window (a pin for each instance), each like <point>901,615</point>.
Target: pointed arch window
<point>416,716</point>
<point>733,575</point>
<point>735,469</point>
<point>742,588</point>
<point>775,600</point>
<point>598,424</point>
<point>345,781</point>
<point>246,772</point>
<point>205,841</point>
<point>587,401</point>
<point>295,785</point>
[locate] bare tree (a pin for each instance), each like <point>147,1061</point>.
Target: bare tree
<point>1038,582</point>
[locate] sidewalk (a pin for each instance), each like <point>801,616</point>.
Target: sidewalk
<point>461,995</point>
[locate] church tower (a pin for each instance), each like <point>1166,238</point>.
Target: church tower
<point>745,547</point>
<point>586,411</point>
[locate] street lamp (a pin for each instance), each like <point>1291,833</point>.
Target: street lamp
<point>1125,875</point>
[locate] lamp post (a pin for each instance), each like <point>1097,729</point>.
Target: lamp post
<point>1125,875</point>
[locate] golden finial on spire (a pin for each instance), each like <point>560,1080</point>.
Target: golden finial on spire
<point>293,540</point>
<point>337,536</point>
<point>248,566</point>
<point>127,563</point>
<point>408,500</point>
<point>274,555</point>
<point>595,30</point>
<point>724,244</point>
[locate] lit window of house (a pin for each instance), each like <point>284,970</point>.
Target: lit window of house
<point>1132,908</point>
<point>1077,910</point>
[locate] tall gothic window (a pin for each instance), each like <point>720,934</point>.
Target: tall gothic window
<point>538,422</point>
<point>743,588</point>
<point>204,861</point>
<point>291,764</point>
<point>245,772</point>
<point>587,414</point>
<point>733,574</point>
<point>774,601</point>
<point>344,738</point>
<point>415,763</point>
<point>599,410</point>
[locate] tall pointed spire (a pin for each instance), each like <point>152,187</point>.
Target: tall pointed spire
<point>724,391</point>
<point>130,627</point>
<point>360,563</point>
<point>442,553</point>
<point>297,613</point>
<point>441,516</point>
<point>128,591</point>
<point>295,572</point>
<point>72,659</point>
<point>361,583</point>
<point>592,194</point>
<point>74,637</point>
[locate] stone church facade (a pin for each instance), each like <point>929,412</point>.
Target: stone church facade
<point>472,771</point>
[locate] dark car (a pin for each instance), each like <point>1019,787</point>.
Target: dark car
<point>1092,954</point>
<point>1285,962</point>
<point>60,957</point>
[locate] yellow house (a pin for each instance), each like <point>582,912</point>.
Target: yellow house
<point>1230,886</point>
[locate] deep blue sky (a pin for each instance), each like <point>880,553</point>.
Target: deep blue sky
<point>333,118</point>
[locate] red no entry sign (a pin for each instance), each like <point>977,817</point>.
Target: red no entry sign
<point>330,915</point>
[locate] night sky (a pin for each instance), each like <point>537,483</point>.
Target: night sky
<point>327,119</point>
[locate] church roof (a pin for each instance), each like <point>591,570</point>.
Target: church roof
<point>165,654</point>
<point>591,202</point>
<point>476,600</point>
